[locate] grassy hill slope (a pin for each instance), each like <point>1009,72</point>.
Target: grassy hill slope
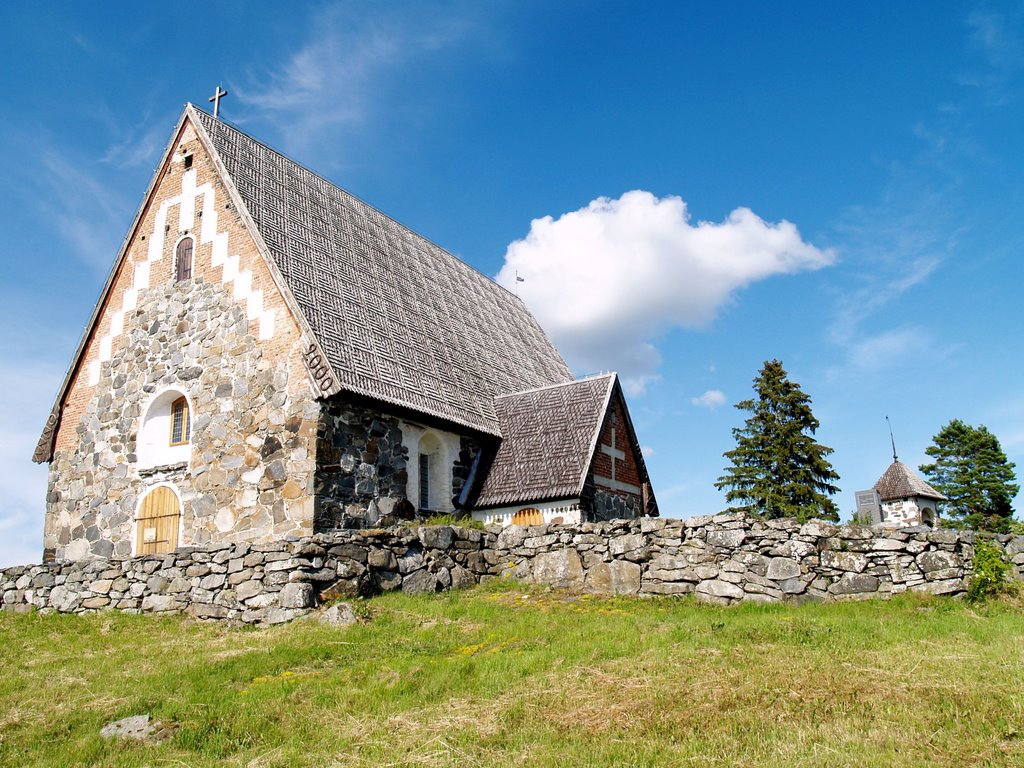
<point>511,676</point>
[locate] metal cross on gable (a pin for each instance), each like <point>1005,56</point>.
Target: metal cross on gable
<point>218,94</point>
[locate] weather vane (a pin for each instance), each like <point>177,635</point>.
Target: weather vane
<point>218,94</point>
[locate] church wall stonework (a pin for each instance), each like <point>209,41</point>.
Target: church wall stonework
<point>362,466</point>
<point>723,559</point>
<point>250,469</point>
<point>609,505</point>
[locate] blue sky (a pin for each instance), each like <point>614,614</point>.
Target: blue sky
<point>689,189</point>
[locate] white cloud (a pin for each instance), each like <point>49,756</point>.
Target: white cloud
<point>647,451</point>
<point>893,347</point>
<point>713,398</point>
<point>606,280</point>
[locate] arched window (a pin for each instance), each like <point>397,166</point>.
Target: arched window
<point>183,260</point>
<point>434,474</point>
<point>181,426</point>
<point>157,522</point>
<point>165,434</point>
<point>431,472</point>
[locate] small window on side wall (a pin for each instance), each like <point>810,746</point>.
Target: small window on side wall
<point>180,426</point>
<point>183,260</point>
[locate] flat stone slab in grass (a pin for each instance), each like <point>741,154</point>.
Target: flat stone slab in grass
<point>138,728</point>
<point>339,615</point>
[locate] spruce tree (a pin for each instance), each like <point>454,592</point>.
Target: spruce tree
<point>971,469</point>
<point>778,468</point>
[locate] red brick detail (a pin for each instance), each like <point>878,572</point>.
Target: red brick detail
<point>285,343</point>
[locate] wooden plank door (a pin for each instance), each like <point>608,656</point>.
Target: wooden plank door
<point>157,523</point>
<point>528,516</point>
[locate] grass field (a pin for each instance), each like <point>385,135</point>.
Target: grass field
<point>518,676</point>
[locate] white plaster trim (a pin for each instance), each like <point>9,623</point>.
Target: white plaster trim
<point>149,455</point>
<point>567,509</point>
<point>446,455</point>
<point>617,485</point>
<point>242,278</point>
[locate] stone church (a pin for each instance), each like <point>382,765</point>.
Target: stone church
<point>271,357</point>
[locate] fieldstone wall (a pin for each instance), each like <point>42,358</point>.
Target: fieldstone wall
<point>361,474</point>
<point>722,559</point>
<point>259,583</point>
<point>249,474</point>
<point>732,558</point>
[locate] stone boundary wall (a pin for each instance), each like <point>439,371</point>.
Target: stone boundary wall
<point>258,583</point>
<point>723,559</point>
<point>731,558</point>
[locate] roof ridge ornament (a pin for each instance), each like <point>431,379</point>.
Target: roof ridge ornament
<point>218,94</point>
<point>892,440</point>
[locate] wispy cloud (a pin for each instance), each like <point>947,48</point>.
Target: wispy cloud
<point>607,280</point>
<point>713,398</point>
<point>334,80</point>
<point>85,208</point>
<point>138,147</point>
<point>995,37</point>
<point>889,348</point>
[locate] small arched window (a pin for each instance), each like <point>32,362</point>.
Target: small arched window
<point>181,429</point>
<point>165,434</point>
<point>183,260</point>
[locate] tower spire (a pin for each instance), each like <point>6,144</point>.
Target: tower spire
<point>892,440</point>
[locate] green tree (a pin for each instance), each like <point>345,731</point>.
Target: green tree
<point>971,469</point>
<point>778,468</point>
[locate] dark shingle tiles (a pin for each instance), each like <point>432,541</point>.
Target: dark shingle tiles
<point>399,318</point>
<point>900,482</point>
<point>547,439</point>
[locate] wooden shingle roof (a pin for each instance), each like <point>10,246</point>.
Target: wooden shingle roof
<point>901,482</point>
<point>399,319</point>
<point>548,440</point>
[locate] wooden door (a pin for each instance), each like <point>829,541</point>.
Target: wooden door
<point>528,516</point>
<point>157,523</point>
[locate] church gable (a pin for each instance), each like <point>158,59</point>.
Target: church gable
<point>548,438</point>
<point>187,229</point>
<point>618,477</point>
<point>192,377</point>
